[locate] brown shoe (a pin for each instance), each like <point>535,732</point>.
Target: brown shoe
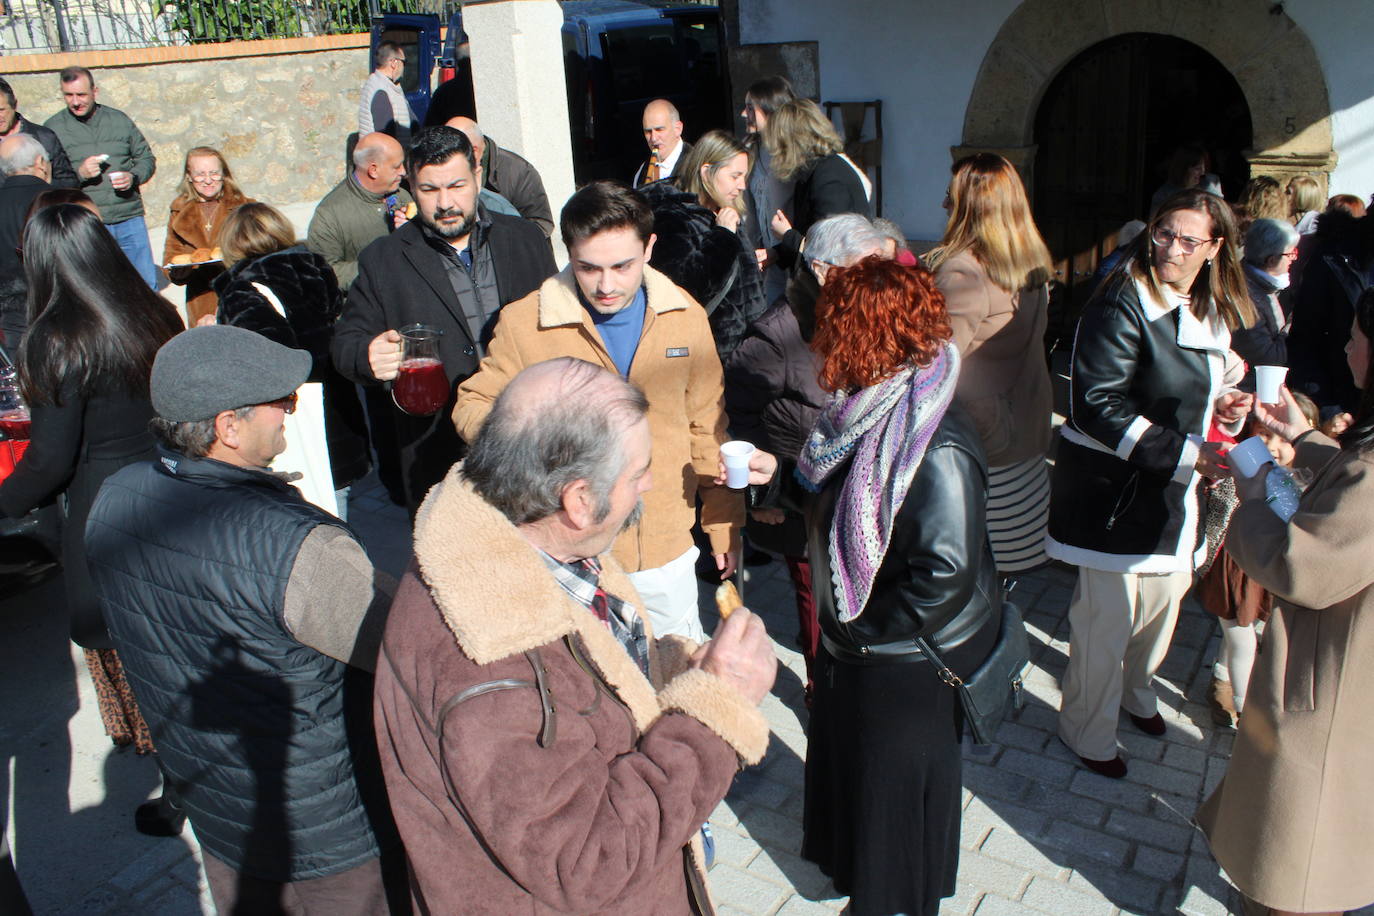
<point>1112,769</point>
<point>1223,703</point>
<point>1150,725</point>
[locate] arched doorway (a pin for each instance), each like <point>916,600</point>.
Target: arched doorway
<point>1104,130</point>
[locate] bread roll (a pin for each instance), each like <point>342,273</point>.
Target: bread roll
<point>411,210</point>
<point>727,599</point>
<point>180,260</point>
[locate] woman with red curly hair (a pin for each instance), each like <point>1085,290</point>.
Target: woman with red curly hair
<point>893,482</point>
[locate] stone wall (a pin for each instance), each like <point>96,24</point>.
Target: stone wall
<point>280,111</point>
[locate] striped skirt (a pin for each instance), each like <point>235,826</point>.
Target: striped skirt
<point>1018,513</point>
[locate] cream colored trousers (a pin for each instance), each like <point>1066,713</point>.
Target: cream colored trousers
<point>1120,628</point>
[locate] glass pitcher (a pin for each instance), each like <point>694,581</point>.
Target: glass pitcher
<point>14,412</point>
<point>421,387</point>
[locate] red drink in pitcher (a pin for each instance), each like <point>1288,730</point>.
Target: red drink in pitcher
<point>421,387</point>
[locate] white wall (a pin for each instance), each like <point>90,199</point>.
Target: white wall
<point>921,59</point>
<point>1340,31</point>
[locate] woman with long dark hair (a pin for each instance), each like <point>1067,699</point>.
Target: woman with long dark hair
<point>993,267</point>
<point>898,548</point>
<point>1290,820</point>
<point>1149,361</point>
<point>94,327</point>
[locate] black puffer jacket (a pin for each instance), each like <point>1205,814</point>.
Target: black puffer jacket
<point>305,285</point>
<point>938,579</point>
<point>704,259</point>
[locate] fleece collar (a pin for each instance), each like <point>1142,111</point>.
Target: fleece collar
<point>1193,333</point>
<point>499,599</point>
<point>560,305</point>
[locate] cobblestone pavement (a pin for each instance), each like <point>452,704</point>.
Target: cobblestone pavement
<point>1040,834</point>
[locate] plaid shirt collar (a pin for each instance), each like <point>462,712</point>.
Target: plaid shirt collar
<point>580,579</point>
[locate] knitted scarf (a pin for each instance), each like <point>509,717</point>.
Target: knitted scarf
<point>881,432</point>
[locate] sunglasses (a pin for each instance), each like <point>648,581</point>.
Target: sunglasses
<point>287,404</point>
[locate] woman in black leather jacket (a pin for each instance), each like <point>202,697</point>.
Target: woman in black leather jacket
<point>898,547</point>
<point>1125,507</point>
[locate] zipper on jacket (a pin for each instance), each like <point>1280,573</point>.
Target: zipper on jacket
<point>1124,500</point>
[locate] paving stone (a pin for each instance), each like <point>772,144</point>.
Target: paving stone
<point>964,901</point>
<point>733,887</point>
<point>992,875</point>
<point>1087,842</point>
<point>1037,766</point>
<point>1164,778</point>
<point>799,906</point>
<point>789,871</point>
<point>723,815</point>
<point>1067,806</point>
<point>990,781</point>
<point>1138,745</point>
<point>1007,846</point>
<point>771,829</point>
<point>1194,760</point>
<point>732,848</point>
<point>1168,834</point>
<point>1055,897</point>
<point>175,901</point>
<point>759,790</point>
<point>992,905</point>
<point>1014,734</point>
<point>1116,792</point>
<point>1216,768</point>
<point>1197,902</point>
<point>992,813</point>
<point>150,865</point>
<point>1037,715</point>
<point>1134,893</point>
<point>1157,863</point>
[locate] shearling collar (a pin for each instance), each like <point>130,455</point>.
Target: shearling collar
<point>499,599</point>
<point>559,304</point>
<point>1193,333</point>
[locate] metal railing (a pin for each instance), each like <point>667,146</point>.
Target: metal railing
<point>41,26</point>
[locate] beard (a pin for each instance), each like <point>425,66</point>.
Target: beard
<point>456,231</point>
<point>635,515</point>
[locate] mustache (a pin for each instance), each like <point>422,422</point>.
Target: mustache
<point>442,212</point>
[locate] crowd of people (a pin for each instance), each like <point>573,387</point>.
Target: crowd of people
<point>533,719</point>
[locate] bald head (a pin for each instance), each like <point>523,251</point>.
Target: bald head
<point>662,128</point>
<point>556,423</point>
<point>473,132</point>
<point>21,154</point>
<point>379,163</point>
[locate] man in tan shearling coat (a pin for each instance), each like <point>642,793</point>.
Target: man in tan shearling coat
<point>543,752</point>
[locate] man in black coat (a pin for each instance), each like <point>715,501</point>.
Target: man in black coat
<point>26,168</point>
<point>452,269</point>
<point>12,123</point>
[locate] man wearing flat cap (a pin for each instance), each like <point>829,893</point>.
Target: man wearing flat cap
<point>248,622</point>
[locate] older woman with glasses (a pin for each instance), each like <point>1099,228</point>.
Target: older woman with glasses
<point>206,196</point>
<point>1271,247</point>
<point>1148,367</point>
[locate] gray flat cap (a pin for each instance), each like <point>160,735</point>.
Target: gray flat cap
<point>203,371</point>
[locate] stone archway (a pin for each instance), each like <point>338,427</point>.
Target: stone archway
<point>1268,54</point>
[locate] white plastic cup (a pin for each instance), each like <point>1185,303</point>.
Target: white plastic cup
<point>736,454</point>
<point>1268,381</point>
<point>1249,456</point>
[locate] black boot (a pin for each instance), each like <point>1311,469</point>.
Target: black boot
<point>162,816</point>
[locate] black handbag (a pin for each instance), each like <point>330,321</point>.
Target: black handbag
<point>998,686</point>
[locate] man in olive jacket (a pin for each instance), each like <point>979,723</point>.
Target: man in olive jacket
<point>112,160</point>
<point>368,204</point>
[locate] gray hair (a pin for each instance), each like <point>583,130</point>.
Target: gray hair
<point>842,240</point>
<point>191,438</point>
<point>1268,238</point>
<point>23,152</point>
<point>536,442</point>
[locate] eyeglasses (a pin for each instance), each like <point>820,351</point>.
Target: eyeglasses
<point>1165,238</point>
<point>207,176</point>
<point>287,404</point>
<point>1291,254</point>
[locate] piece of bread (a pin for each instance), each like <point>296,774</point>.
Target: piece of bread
<point>217,253</point>
<point>727,599</point>
<point>411,210</point>
<point>200,254</point>
<point>179,260</point>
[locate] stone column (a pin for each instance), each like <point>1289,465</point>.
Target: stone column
<point>521,93</point>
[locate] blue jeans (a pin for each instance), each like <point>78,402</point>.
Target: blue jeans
<point>132,236</point>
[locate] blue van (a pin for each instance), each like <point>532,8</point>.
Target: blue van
<point>618,55</point>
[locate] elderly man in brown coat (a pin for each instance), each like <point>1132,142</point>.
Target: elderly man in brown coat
<point>543,753</point>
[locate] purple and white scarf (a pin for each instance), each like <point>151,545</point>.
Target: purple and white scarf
<point>881,432</point>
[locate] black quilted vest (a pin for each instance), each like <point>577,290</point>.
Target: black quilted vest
<point>190,558</point>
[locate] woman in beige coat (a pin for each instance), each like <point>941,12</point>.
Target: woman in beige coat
<point>992,266</point>
<point>1292,822</point>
